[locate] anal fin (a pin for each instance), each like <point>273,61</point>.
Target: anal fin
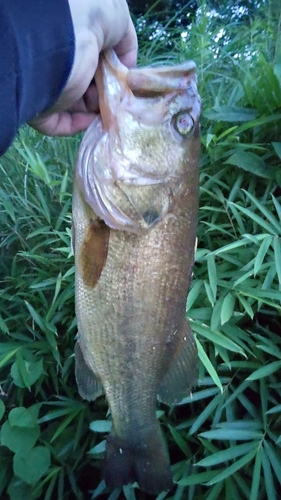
<point>89,385</point>
<point>182,371</point>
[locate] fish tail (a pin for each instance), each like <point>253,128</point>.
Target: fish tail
<point>145,461</point>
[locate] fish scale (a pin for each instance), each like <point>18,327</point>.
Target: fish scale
<point>132,279</point>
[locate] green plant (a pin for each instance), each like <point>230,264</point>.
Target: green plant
<point>224,438</point>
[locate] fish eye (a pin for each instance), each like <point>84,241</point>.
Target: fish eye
<point>183,123</point>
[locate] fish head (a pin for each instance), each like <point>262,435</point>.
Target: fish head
<point>136,159</point>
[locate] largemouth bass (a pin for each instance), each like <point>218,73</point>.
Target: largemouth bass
<point>134,215</point>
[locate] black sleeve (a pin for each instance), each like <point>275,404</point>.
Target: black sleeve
<point>36,57</point>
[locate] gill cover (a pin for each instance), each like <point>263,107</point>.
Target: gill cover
<point>117,168</point>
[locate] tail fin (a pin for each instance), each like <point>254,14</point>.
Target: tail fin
<point>147,463</point>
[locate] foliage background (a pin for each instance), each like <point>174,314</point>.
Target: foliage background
<point>224,439</point>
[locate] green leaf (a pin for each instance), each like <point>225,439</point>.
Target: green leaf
<point>251,163</point>
<point>232,434</point>
<point>19,489</point>
<point>277,255</point>
<point>208,365</point>
<point>230,114</point>
<point>212,275</point>
<point>179,440</point>
<point>216,337</point>
<point>277,147</point>
<point>18,439</point>
<point>275,409</point>
<point>204,415</point>
<point>32,466</point>
<point>35,163</point>
<point>2,409</point>
<point>262,251</point>
<point>98,449</point>
<point>65,424</point>
<point>21,417</point>
<point>228,454</point>
<point>271,229</point>
<point>256,477</point>
<point>8,356</point>
<point>193,294</point>
<point>229,471</point>
<point>268,477</point>
<point>265,371</point>
<point>264,211</point>
<point>199,478</point>
<point>101,426</point>
<point>227,308</point>
<point>26,373</point>
<point>274,459</point>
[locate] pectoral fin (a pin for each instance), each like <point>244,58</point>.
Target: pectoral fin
<point>94,252</point>
<point>89,386</point>
<point>182,372</point>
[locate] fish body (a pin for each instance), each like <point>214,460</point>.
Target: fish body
<point>135,205</point>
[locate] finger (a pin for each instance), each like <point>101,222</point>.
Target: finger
<point>127,48</point>
<point>63,123</point>
<point>91,99</point>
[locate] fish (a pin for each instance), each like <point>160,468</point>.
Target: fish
<point>135,204</point>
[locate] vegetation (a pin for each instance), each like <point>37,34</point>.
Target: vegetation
<point>224,439</point>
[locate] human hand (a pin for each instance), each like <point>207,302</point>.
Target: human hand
<point>97,25</point>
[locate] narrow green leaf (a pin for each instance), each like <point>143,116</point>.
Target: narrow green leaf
<point>230,114</point>
<point>2,409</point>
<point>212,275</point>
<point>257,219</point>
<point>229,471</point>
<point>216,337</point>
<point>277,147</point>
<point>265,371</point>
<point>275,409</point>
<point>101,426</point>
<point>198,396</point>
<point>215,493</point>
<point>65,424</point>
<point>36,317</point>
<point>193,294</point>
<point>268,477</point>
<point>245,304</point>
<point>262,251</point>
<point>199,478</point>
<point>99,448</point>
<point>256,477</point>
<point>208,365</point>
<point>204,415</point>
<point>274,459</point>
<point>277,255</point>
<point>227,308</point>
<point>232,434</point>
<point>277,207</point>
<point>263,210</point>
<point>178,439</point>
<point>228,454</point>
<point>8,356</point>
